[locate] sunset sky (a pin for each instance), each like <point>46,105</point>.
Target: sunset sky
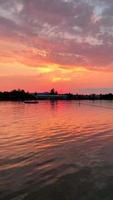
<point>65,44</point>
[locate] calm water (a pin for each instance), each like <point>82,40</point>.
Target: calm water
<point>56,150</point>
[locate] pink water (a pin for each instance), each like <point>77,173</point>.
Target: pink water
<point>41,144</point>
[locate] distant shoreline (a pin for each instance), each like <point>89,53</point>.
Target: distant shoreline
<point>21,95</point>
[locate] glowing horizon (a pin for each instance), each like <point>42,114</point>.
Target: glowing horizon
<point>65,44</point>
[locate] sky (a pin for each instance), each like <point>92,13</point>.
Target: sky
<point>65,44</point>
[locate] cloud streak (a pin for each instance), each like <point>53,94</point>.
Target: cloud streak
<point>66,33</point>
<point>57,34</point>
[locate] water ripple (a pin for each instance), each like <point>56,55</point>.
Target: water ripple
<point>39,145</point>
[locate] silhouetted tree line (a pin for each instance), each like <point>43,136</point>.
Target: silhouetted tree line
<point>16,95</point>
<point>90,96</point>
<point>21,95</point>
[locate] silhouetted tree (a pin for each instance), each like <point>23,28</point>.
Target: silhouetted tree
<point>16,95</point>
<point>53,92</point>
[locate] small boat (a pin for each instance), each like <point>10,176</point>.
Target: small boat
<point>31,101</point>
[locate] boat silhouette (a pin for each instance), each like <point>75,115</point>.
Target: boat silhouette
<point>31,102</point>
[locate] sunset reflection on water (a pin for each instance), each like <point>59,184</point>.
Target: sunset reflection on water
<point>42,143</point>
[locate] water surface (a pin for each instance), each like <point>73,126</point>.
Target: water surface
<point>60,150</point>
